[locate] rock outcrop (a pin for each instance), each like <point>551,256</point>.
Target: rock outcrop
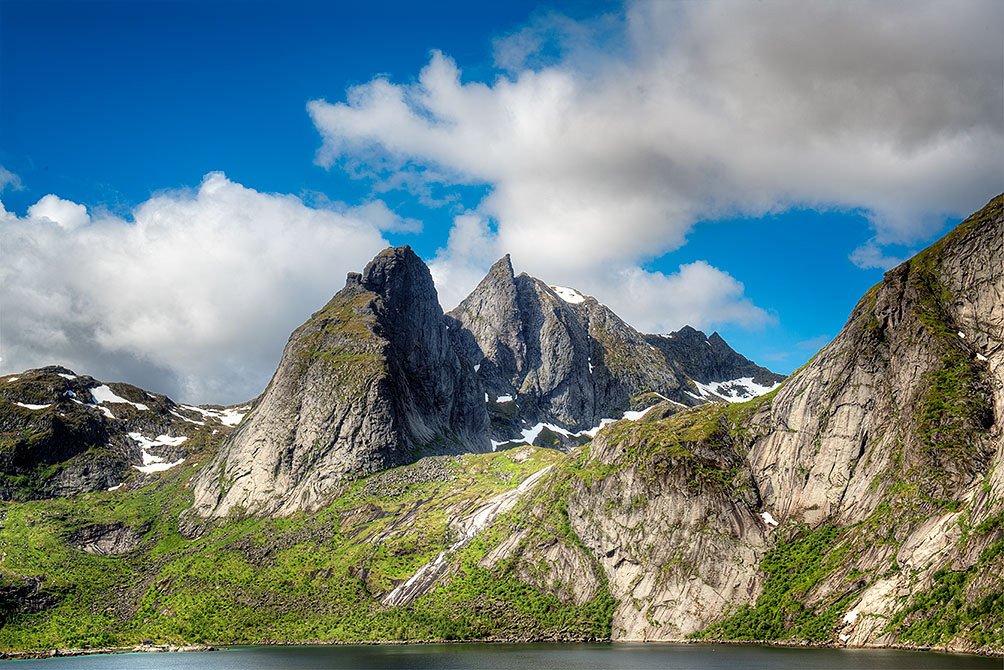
<point>370,381</point>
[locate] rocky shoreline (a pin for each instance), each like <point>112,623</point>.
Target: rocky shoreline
<point>135,649</point>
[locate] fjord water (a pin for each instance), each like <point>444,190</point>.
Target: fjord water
<point>650,656</point>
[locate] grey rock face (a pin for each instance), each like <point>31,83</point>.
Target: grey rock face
<point>107,539</point>
<point>898,421</point>
<point>527,345</point>
<point>679,548</point>
<point>370,381</point>
<point>911,387</point>
<point>892,434</point>
<point>566,359</point>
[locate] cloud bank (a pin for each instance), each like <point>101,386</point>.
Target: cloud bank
<point>603,157</point>
<point>194,296</point>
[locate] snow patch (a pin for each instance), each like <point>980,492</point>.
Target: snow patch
<point>529,435</point>
<point>844,637</point>
<point>961,334</point>
<point>232,417</point>
<point>66,376</point>
<point>103,394</point>
<point>595,429</point>
<point>228,417</point>
<point>116,487</point>
<point>151,462</point>
<point>477,367</point>
<point>185,418</point>
<point>768,519</point>
<point>851,616</point>
<point>634,416</point>
<point>569,295</point>
<point>981,357</point>
<point>10,379</point>
<point>734,390</point>
<point>504,398</point>
<point>104,410</point>
<point>29,406</point>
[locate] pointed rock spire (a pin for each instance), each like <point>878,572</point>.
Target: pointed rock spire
<point>370,381</point>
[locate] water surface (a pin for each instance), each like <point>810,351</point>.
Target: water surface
<point>651,656</point>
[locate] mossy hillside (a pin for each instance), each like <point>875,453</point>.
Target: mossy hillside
<point>342,337</point>
<point>306,577</point>
<point>521,597</point>
<point>708,443</point>
<point>955,403</point>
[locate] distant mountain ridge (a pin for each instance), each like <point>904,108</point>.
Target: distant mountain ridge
<point>564,359</point>
<point>62,434</point>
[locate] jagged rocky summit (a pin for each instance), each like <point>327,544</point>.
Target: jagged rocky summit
<point>62,434</point>
<point>380,377</point>
<point>554,359</point>
<point>370,381</point>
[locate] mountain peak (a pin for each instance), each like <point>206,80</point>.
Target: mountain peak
<point>392,263</point>
<point>370,381</point>
<point>502,268</point>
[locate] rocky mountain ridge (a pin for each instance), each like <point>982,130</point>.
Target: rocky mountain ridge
<point>380,377</point>
<point>551,355</point>
<point>62,434</point>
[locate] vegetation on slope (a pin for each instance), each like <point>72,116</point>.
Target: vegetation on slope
<point>303,578</point>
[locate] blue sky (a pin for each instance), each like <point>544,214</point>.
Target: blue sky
<point>723,164</point>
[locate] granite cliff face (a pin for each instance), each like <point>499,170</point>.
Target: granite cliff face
<point>883,456</point>
<point>370,381</point>
<point>895,430</point>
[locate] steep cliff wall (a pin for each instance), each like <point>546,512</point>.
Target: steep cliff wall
<point>369,382</point>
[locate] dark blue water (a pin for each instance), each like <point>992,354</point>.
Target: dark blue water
<point>524,657</point>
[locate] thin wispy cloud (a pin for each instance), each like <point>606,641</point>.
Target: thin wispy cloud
<point>9,180</point>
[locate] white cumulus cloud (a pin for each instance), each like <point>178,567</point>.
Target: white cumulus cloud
<point>64,213</point>
<point>603,157</point>
<point>194,296</point>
